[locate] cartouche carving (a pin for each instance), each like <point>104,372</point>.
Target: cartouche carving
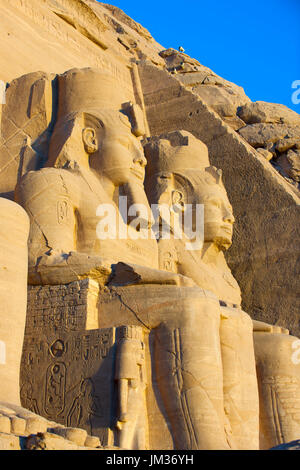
<point>171,179</point>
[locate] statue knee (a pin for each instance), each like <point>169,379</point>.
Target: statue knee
<point>279,351</point>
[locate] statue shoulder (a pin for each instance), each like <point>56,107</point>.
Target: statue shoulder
<point>47,182</point>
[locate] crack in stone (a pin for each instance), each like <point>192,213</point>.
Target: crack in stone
<point>129,308</point>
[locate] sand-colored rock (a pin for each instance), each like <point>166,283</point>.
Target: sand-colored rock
<point>92,441</point>
<point>289,163</point>
<point>14,229</point>
<point>18,425</point>
<point>221,95</point>
<point>35,424</point>
<point>49,441</point>
<point>5,424</point>
<point>260,134</point>
<point>279,388</point>
<point>260,111</point>
<point>259,227</point>
<point>9,442</point>
<point>92,137</point>
<point>220,99</point>
<point>76,435</point>
<point>25,128</point>
<point>265,153</point>
<point>131,378</point>
<point>132,340</point>
<point>21,429</point>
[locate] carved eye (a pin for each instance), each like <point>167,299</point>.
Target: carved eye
<point>214,202</point>
<point>126,143</point>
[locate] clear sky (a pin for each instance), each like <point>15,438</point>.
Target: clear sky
<point>253,43</point>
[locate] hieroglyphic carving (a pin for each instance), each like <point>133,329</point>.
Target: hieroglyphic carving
<point>64,308</point>
<point>67,372</point>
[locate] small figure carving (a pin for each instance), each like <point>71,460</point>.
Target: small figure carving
<point>131,381</point>
<point>84,407</point>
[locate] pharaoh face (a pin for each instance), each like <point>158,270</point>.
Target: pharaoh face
<point>218,215</point>
<point>120,156</point>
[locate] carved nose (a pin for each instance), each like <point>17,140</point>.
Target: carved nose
<point>140,160</point>
<point>228,217</point>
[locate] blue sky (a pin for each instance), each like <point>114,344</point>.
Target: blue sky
<point>253,43</point>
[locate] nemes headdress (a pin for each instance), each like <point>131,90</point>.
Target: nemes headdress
<point>92,93</point>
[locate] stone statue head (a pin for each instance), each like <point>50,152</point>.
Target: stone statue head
<point>206,187</point>
<point>95,129</point>
<point>101,140</point>
<point>180,174</point>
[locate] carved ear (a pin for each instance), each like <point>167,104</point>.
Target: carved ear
<point>90,140</point>
<point>215,172</point>
<point>177,198</point>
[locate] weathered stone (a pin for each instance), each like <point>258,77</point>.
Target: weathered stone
<point>258,135</point>
<point>218,99</point>
<point>119,14</point>
<point>110,319</point>
<point>286,144</point>
<point>76,435</point>
<point>290,164</point>
<point>6,411</point>
<point>92,441</point>
<point>35,425</point>
<point>265,153</point>
<point>18,425</point>
<point>170,106</point>
<point>4,424</point>
<point>9,442</point>
<point>49,441</point>
<point>260,111</point>
<point>234,122</point>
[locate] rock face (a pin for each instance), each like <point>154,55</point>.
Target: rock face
<point>261,111</point>
<point>170,333</point>
<point>14,230</point>
<point>21,429</point>
<point>222,96</point>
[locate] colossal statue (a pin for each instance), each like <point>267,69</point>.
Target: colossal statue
<point>173,177</point>
<point>93,153</point>
<point>131,377</point>
<point>179,171</point>
<point>199,353</point>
